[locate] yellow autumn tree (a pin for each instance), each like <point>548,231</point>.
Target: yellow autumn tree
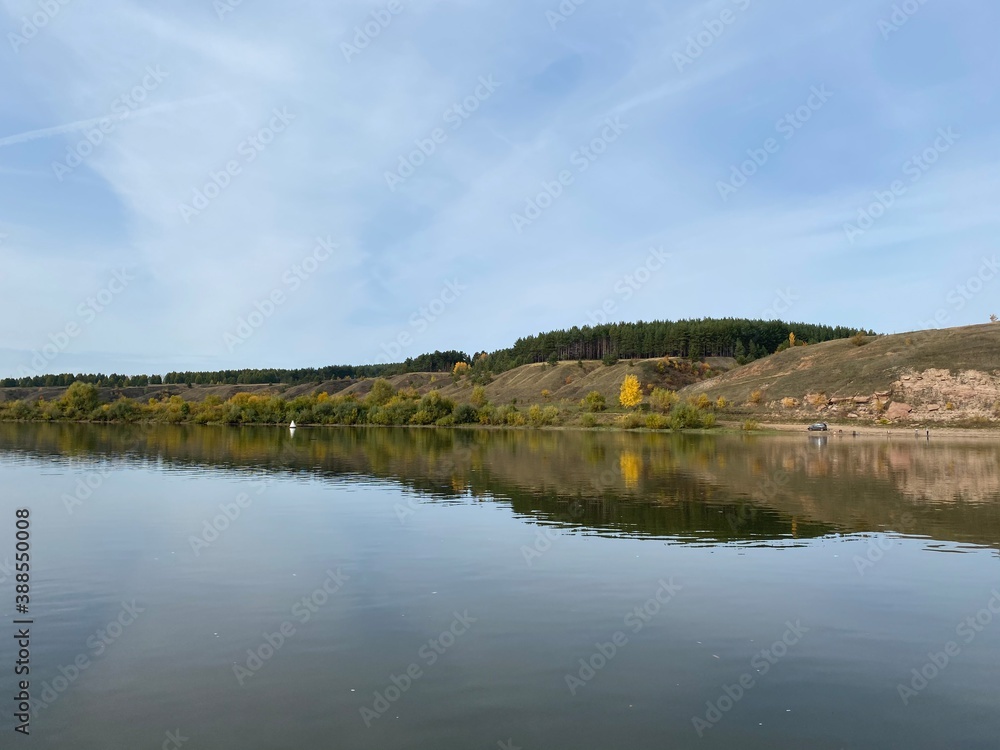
<point>478,398</point>
<point>630,395</point>
<point>791,339</point>
<point>461,368</point>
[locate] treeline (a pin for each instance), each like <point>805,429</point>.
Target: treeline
<point>743,339</point>
<point>67,378</point>
<point>434,362</point>
<point>727,337</point>
<point>382,405</point>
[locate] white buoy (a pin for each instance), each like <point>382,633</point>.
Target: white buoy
<point>292,425</point>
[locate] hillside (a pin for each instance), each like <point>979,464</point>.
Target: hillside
<point>565,381</point>
<point>948,375</point>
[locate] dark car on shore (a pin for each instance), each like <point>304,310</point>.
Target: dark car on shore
<point>818,427</point>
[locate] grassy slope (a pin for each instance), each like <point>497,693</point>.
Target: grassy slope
<point>195,393</point>
<point>566,381</point>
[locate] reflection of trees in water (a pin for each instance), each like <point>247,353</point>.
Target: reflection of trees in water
<point>720,486</point>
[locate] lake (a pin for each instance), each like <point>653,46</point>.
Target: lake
<point>215,587</point>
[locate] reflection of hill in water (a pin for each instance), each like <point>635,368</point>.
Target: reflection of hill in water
<point>701,488</point>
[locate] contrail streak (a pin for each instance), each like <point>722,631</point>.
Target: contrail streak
<point>32,135</point>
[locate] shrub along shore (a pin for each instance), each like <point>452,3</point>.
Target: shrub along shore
<point>383,405</point>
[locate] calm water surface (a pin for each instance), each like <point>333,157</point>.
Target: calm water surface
<point>380,588</point>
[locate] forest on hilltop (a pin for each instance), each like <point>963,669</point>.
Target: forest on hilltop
<point>741,338</point>
<point>727,337</point>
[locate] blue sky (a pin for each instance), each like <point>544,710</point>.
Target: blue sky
<point>316,183</point>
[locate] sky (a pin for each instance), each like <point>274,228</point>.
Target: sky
<point>222,184</point>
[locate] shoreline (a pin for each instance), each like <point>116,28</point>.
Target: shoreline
<point>722,427</point>
<point>883,430</point>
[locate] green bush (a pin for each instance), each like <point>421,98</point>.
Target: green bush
<point>516,418</point>
<point>19,410</point>
<point>324,412</point>
<point>397,411</point>
<point>422,417</point>
<point>465,414</point>
<point>80,399</point>
<point>687,416</point>
<point>436,406</point>
<point>506,415</point>
<point>478,398</point>
<point>124,410</point>
<point>631,421</point>
<point>381,392</point>
<point>539,417</point>
<point>657,422</point>
<point>50,410</point>
<point>594,402</point>
<point>663,400</point>
<point>350,413</point>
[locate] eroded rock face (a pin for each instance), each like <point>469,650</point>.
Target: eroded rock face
<point>898,410</point>
<point>938,394</point>
<point>933,396</point>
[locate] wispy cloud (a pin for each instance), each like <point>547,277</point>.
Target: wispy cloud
<point>77,126</point>
<point>325,174</point>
